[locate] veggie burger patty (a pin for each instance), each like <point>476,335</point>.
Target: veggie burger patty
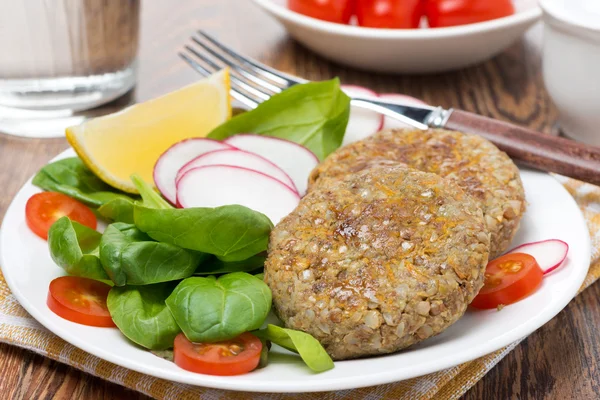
<point>377,260</point>
<point>476,165</point>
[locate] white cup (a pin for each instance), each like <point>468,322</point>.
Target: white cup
<point>571,65</point>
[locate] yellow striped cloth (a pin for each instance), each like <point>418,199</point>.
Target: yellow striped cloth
<point>20,329</point>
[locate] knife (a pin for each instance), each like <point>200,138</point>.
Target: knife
<point>530,148</point>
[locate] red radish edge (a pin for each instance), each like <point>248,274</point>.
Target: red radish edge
<point>161,157</point>
<point>271,137</point>
<point>180,175</point>
<point>401,97</point>
<point>367,91</point>
<point>562,249</point>
<point>298,166</point>
<point>352,90</point>
<point>247,169</point>
<point>280,184</point>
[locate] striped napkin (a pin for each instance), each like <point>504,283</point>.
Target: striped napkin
<point>20,329</point>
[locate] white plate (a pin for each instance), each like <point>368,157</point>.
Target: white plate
<point>406,50</point>
<point>552,213</point>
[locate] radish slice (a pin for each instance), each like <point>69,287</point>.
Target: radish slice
<point>220,185</point>
<point>175,157</point>
<point>391,123</point>
<point>238,158</point>
<point>295,160</point>
<point>549,254</point>
<point>362,123</point>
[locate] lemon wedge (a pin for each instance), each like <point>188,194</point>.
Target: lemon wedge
<point>118,145</point>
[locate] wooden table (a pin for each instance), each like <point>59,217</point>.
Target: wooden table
<point>559,361</point>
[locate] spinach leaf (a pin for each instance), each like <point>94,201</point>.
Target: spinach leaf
<point>264,353</point>
<point>232,233</point>
<point>313,114</point>
<point>118,210</point>
<point>150,198</point>
<point>141,314</point>
<point>130,257</point>
<point>166,354</point>
<point>214,266</point>
<point>74,247</point>
<point>121,209</point>
<point>70,176</point>
<point>309,348</point>
<point>211,309</point>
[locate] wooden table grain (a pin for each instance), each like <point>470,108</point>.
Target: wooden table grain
<point>559,361</point>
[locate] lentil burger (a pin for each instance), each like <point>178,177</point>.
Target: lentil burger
<point>476,165</point>
<point>378,260</point>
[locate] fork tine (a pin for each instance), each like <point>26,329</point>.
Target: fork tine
<point>234,93</point>
<point>267,72</point>
<point>199,68</point>
<point>262,96</point>
<point>243,71</point>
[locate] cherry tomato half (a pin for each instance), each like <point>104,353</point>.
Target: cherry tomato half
<point>399,14</point>
<point>444,13</point>
<point>43,209</point>
<point>80,300</point>
<point>508,279</point>
<point>338,11</point>
<point>230,357</point>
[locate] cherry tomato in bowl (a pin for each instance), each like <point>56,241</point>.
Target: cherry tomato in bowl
<point>445,13</point>
<point>43,209</point>
<point>397,14</point>
<point>508,279</point>
<point>339,11</point>
<point>230,357</point>
<point>80,300</point>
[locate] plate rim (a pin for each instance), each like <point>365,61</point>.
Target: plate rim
<point>331,384</point>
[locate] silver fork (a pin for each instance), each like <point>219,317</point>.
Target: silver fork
<point>253,82</point>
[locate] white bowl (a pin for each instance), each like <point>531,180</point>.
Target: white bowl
<point>406,50</point>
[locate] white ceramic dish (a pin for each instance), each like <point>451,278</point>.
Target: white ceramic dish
<point>552,213</point>
<point>406,50</point>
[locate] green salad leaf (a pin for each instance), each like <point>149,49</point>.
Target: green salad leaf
<point>70,176</point>
<point>264,353</point>
<point>309,348</point>
<point>313,114</point>
<point>118,210</point>
<point>131,257</point>
<point>150,197</point>
<point>121,209</point>
<point>74,247</point>
<point>141,314</point>
<point>211,309</point>
<point>214,266</point>
<point>165,354</point>
<point>232,233</point>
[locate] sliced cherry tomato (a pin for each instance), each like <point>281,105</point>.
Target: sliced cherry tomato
<point>444,13</point>
<point>80,300</point>
<point>338,11</point>
<point>508,279</point>
<point>399,14</point>
<point>230,357</point>
<point>43,209</point>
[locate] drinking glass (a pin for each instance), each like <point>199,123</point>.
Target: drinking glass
<point>59,57</point>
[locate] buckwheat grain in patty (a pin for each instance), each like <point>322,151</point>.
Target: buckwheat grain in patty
<point>476,165</point>
<point>378,260</point>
